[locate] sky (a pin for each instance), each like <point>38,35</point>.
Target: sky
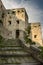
<point>34,9</point>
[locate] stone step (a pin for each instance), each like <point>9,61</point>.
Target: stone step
<point>13,52</point>
<point>30,63</point>
<point>11,48</point>
<point>10,44</point>
<point>17,60</point>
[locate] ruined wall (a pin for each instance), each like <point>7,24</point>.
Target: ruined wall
<point>1,6</point>
<point>15,19</point>
<point>36,33</point>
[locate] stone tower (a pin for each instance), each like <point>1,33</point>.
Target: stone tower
<point>16,21</point>
<point>36,33</point>
<point>1,6</point>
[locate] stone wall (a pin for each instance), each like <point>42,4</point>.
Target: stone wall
<point>13,23</point>
<point>36,33</point>
<point>1,6</point>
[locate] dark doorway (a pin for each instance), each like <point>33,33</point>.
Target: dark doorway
<point>17,21</point>
<point>17,33</point>
<point>1,23</point>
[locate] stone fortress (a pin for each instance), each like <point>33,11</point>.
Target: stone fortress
<point>13,23</point>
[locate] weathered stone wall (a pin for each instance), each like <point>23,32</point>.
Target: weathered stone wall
<point>1,6</point>
<point>13,22</point>
<point>36,33</point>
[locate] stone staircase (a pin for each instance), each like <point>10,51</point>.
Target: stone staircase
<point>11,52</point>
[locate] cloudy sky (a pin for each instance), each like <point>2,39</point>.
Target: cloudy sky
<point>34,8</point>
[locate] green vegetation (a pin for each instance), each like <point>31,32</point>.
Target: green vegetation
<point>33,43</point>
<point>27,36</point>
<point>28,29</point>
<point>28,40</point>
<point>41,52</point>
<point>1,39</point>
